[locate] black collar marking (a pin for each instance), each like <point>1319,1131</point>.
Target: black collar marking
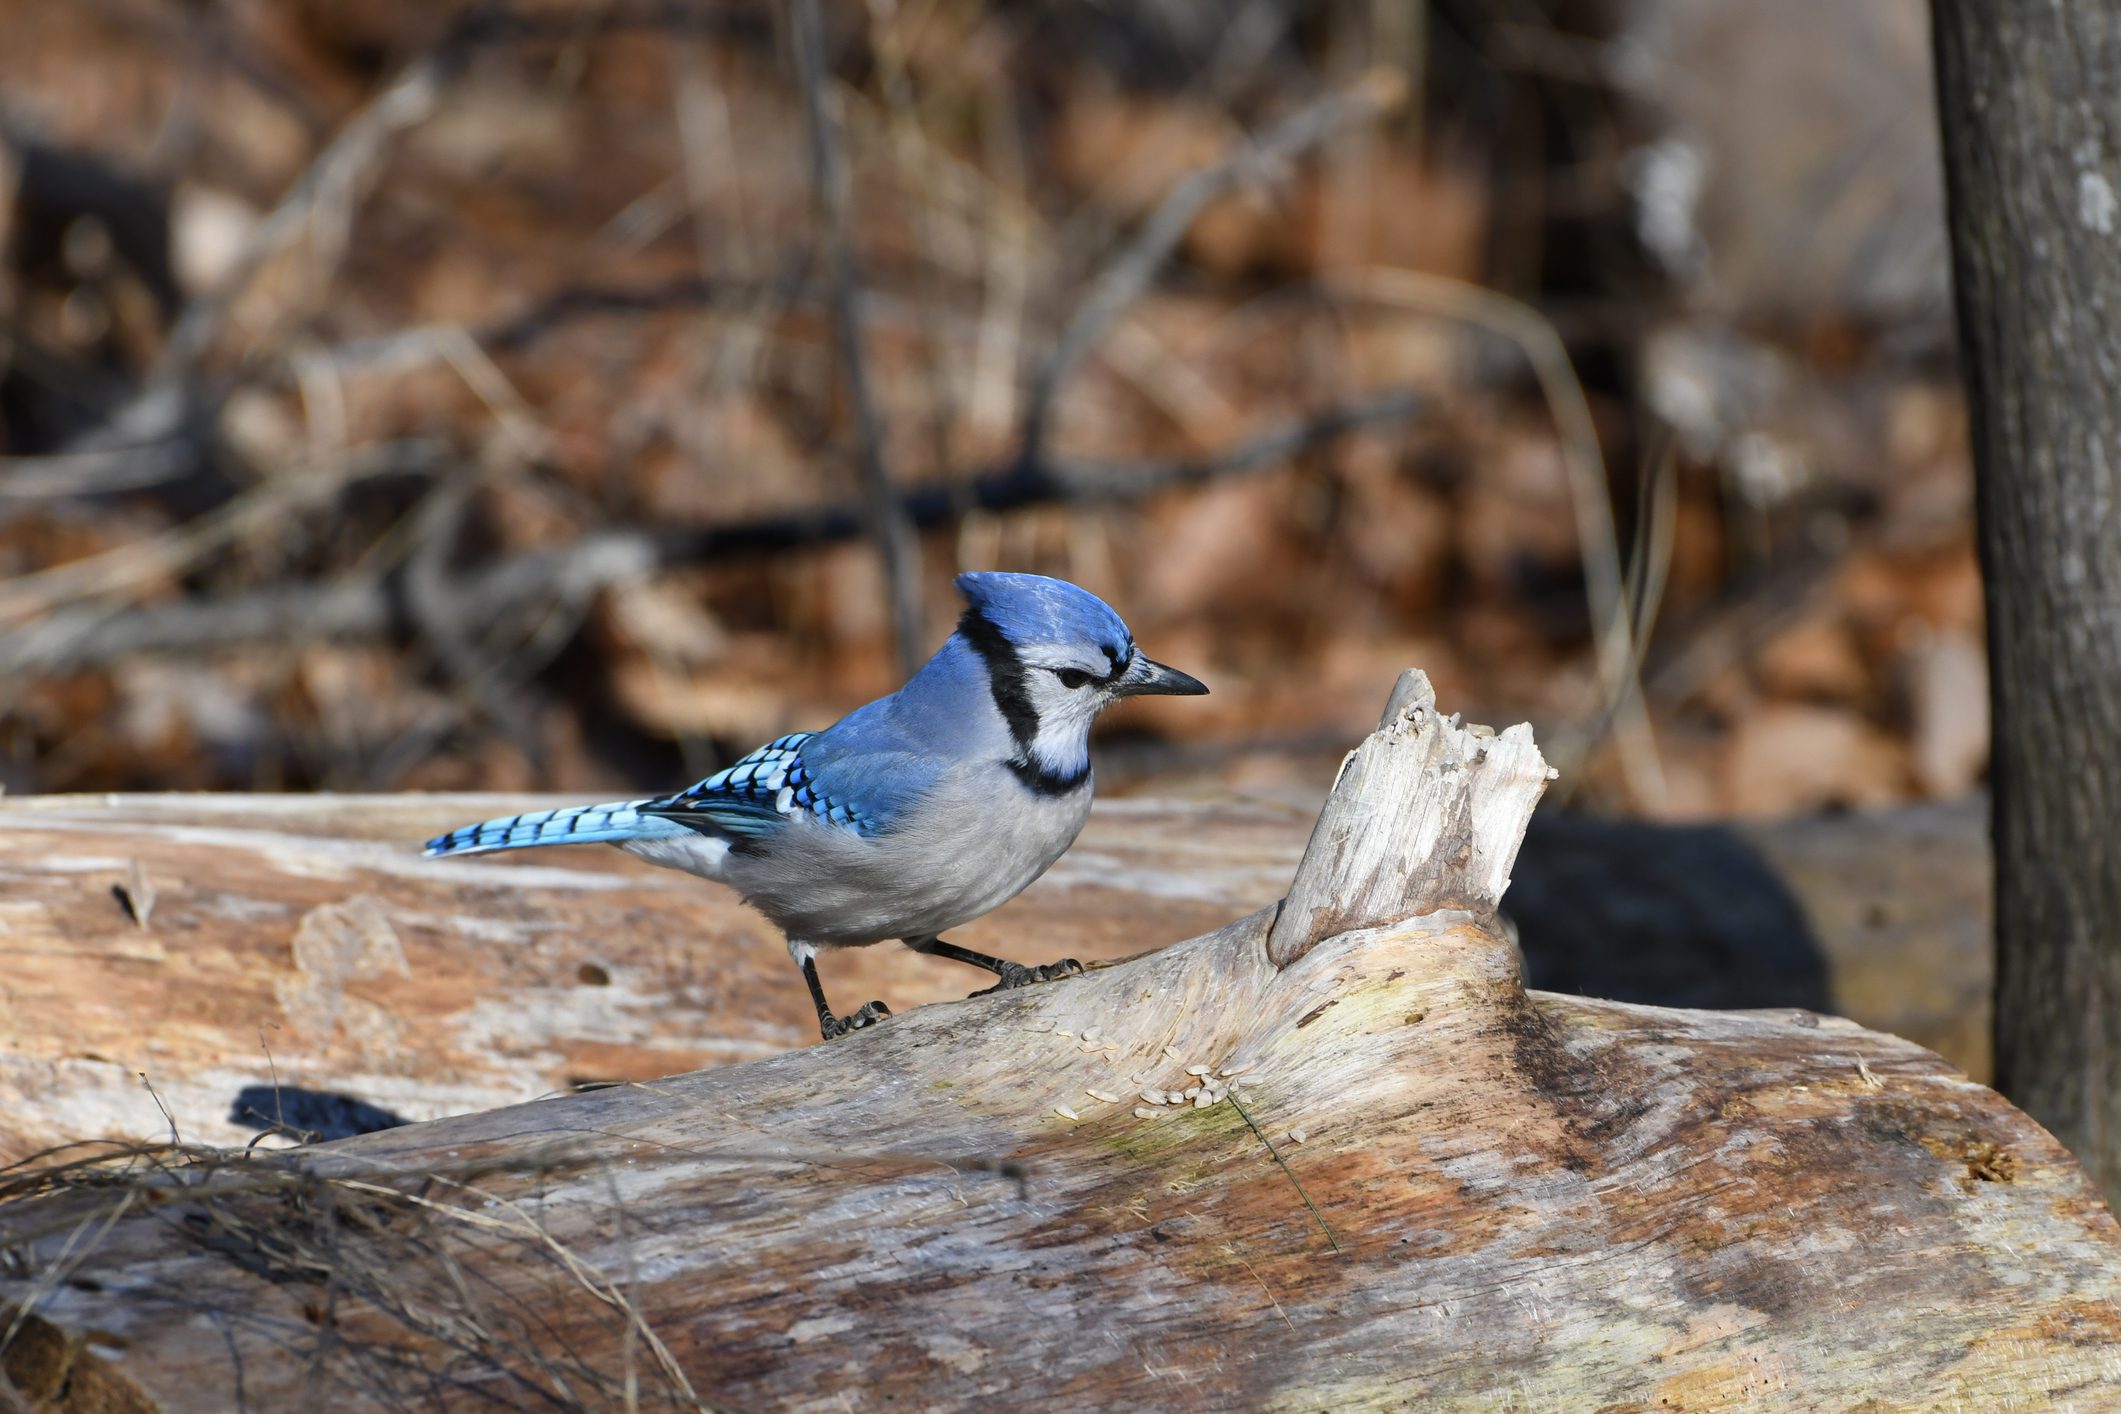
<point>1046,782</point>
<point>1005,678</point>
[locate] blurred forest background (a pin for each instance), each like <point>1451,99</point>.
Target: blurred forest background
<point>419,396</point>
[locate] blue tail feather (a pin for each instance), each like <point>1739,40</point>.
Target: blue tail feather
<point>609,823</point>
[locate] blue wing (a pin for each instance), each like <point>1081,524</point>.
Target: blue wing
<point>838,777</point>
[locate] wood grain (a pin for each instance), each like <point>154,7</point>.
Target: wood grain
<point>304,938</point>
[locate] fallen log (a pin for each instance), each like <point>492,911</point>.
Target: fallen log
<point>296,949</point>
<point>1404,1180</point>
<point>1882,918</point>
<point>298,965</point>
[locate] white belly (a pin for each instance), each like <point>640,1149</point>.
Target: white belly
<point>968,849</point>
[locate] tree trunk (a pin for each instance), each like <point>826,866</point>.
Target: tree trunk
<point>2030,97</point>
<point>1402,1181</point>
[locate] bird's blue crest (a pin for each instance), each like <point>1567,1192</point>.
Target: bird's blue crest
<point>1030,609</point>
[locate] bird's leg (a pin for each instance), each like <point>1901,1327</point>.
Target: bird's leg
<point>828,1025</point>
<point>1012,974</point>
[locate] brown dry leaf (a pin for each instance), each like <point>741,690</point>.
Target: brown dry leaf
<point>1815,660</point>
<point>1870,586</point>
<point>674,702</point>
<point>1128,151</point>
<point>1239,232</point>
<point>1389,209</point>
<point>1398,530</point>
<point>1945,587</point>
<point>1787,758</point>
<point>1945,676</point>
<point>1517,510</point>
<point>665,620</point>
<point>1226,547</point>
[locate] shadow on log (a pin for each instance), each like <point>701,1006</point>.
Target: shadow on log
<point>1401,1179</point>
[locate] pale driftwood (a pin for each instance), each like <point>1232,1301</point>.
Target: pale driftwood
<point>1389,845</point>
<point>303,940</point>
<point>530,973</point>
<point>1497,1199</point>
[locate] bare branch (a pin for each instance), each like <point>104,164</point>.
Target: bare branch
<point>888,523</point>
<point>1136,263</point>
<point>83,635</point>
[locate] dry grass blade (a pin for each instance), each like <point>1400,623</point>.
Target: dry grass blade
<point>423,1249</point>
<point>385,1242</point>
<point>1604,580</point>
<point>1294,1182</point>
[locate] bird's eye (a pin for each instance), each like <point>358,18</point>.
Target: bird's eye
<point>1071,677</point>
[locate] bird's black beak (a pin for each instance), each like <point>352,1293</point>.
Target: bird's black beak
<point>1145,678</point>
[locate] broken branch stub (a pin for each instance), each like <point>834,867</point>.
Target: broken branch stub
<point>1427,815</point>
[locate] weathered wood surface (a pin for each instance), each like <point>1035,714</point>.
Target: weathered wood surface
<point>504,994</point>
<point>311,928</point>
<point>1533,1202</point>
<point>1389,844</point>
<point>309,925</point>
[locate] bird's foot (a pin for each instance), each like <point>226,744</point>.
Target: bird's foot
<point>1015,974</point>
<point>830,1026</point>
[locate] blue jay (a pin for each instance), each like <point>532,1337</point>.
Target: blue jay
<point>907,817</point>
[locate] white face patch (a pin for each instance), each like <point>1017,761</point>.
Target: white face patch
<point>1062,743</point>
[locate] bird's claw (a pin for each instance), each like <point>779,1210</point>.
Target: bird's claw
<point>1015,974</point>
<point>833,1026</point>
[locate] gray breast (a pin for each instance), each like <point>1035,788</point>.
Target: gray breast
<point>974,842</point>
